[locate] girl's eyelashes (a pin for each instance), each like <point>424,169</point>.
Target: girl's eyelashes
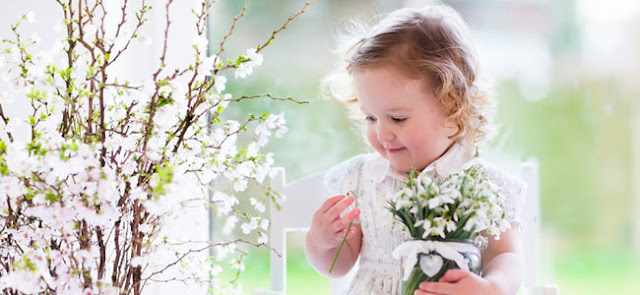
<point>394,119</point>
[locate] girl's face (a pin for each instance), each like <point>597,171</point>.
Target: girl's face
<point>404,119</point>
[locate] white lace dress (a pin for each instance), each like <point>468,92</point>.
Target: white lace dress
<point>372,179</point>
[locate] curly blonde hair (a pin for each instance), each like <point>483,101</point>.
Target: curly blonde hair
<point>432,44</point>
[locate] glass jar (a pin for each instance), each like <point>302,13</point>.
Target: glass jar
<point>436,257</point>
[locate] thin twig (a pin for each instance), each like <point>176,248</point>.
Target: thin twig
<point>6,121</point>
<point>141,21</point>
<point>166,40</point>
<point>233,25</point>
<point>269,96</point>
<point>284,26</point>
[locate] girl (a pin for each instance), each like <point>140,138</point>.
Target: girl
<point>414,82</point>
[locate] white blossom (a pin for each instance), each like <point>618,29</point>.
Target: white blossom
<point>254,60</point>
<point>258,205</point>
<point>145,228</point>
<point>23,281</point>
<point>222,251</point>
<point>207,66</point>
<point>221,83</point>
<point>264,224</point>
<point>252,225</point>
<point>223,203</point>
<point>11,187</point>
<point>31,17</point>
<point>35,38</point>
<point>200,43</point>
<point>229,224</point>
<point>262,238</point>
<point>138,261</point>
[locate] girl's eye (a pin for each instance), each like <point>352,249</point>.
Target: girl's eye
<point>370,118</point>
<point>398,120</point>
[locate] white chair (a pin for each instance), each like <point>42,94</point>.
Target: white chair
<point>303,198</point>
<point>531,239</point>
<point>306,195</point>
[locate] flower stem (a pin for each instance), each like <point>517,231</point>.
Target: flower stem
<point>344,239</point>
<point>416,277</point>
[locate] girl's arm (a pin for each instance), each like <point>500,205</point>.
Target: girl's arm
<point>326,233</point>
<point>502,263</point>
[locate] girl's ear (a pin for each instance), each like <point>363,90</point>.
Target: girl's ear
<point>447,123</point>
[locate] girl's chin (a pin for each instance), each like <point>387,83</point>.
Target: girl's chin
<point>400,163</point>
<point>404,168</point>
<point>398,167</point>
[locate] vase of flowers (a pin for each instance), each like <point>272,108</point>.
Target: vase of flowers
<point>445,218</point>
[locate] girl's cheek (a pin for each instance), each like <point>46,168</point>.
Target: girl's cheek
<point>372,138</point>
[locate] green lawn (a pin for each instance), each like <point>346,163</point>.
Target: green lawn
<point>608,271</point>
<point>301,277</point>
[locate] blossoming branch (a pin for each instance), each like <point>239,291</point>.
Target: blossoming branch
<point>88,191</point>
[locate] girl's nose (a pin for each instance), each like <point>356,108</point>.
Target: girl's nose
<point>384,133</point>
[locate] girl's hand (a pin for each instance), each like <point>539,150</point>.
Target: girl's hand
<point>457,282</point>
<point>327,227</point>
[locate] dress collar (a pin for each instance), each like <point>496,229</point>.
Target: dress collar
<point>453,159</point>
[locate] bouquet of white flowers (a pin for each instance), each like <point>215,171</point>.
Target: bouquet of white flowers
<point>445,218</point>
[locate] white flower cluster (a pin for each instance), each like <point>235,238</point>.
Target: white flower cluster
<point>457,207</point>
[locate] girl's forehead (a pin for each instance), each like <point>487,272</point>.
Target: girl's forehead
<point>389,89</point>
<point>390,78</point>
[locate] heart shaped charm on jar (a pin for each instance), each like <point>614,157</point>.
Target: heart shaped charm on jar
<point>431,264</point>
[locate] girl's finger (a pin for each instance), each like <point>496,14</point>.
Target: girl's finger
<point>330,202</point>
<point>420,292</point>
<point>334,212</point>
<point>347,219</point>
<point>340,235</point>
<point>453,275</point>
<point>436,288</point>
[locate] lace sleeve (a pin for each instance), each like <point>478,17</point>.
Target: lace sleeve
<point>512,189</point>
<point>344,177</point>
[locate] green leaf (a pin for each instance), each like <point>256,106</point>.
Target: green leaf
<point>52,197</point>
<point>4,170</point>
<point>163,101</point>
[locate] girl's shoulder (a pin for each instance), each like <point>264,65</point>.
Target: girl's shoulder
<point>512,188</point>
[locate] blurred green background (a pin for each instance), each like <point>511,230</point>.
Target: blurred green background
<point>566,75</point>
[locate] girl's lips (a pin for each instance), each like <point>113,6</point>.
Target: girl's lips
<point>396,150</point>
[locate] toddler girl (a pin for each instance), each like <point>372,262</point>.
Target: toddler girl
<point>414,81</point>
